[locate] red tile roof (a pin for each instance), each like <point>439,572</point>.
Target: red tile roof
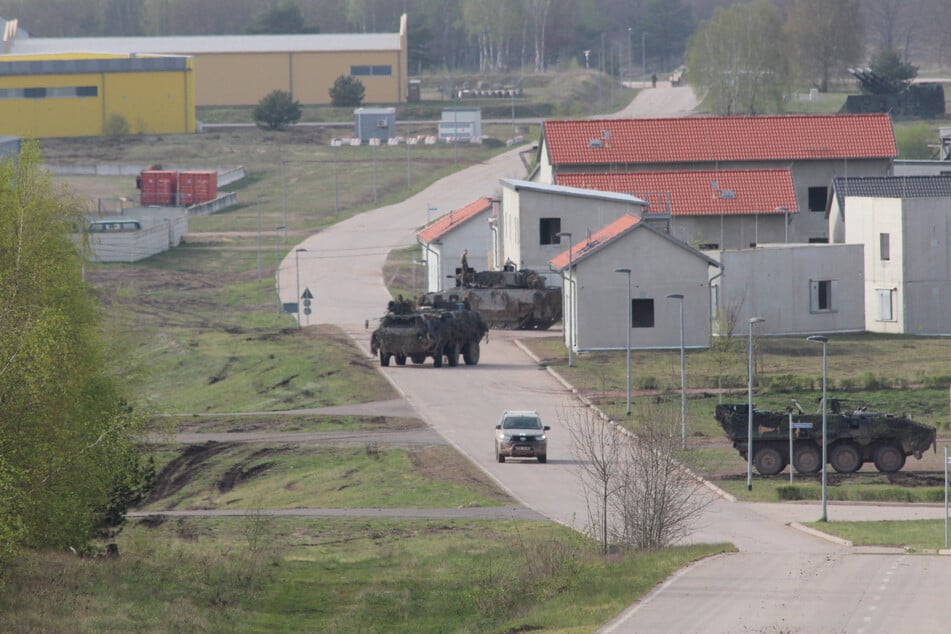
<point>709,139</point>
<point>444,224</point>
<point>697,193</point>
<point>597,240</point>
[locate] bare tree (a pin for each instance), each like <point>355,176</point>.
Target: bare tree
<point>638,493</point>
<point>599,447</point>
<point>660,497</point>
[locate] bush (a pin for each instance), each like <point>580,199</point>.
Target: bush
<point>277,111</point>
<point>347,91</point>
<point>116,125</point>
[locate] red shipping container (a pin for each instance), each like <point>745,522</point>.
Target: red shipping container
<point>159,187</point>
<point>198,187</point>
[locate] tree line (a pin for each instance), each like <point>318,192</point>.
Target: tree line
<point>621,37</point>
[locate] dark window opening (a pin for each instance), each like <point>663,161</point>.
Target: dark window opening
<point>359,71</point>
<point>549,228</point>
<point>818,240</point>
<point>381,71</point>
<point>817,198</point>
<point>709,246</point>
<point>87,91</point>
<point>883,246</point>
<point>642,313</point>
<point>34,93</point>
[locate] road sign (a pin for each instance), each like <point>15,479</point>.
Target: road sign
<point>802,425</point>
<point>307,294</point>
<point>290,307</point>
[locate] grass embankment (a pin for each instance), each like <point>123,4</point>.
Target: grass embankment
<point>913,535</point>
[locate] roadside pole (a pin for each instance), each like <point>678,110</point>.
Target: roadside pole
<point>791,454</point>
<point>945,496</point>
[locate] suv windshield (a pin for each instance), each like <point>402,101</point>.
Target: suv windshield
<point>522,422</point>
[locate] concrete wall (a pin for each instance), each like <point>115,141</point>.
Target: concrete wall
<point>730,232</point>
<point>475,235</point>
<point>776,282</point>
<point>659,268</point>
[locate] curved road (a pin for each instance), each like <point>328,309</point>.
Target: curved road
<point>781,580</point>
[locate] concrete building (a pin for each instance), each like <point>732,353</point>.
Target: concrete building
<point>66,95</point>
<point>443,241</point>
<point>533,214</point>
<point>814,148</point>
<point>595,295</point>
<point>139,233</point>
<point>797,288</point>
<point>723,209</point>
<point>238,70</point>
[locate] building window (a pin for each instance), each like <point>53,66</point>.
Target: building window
<point>883,251</point>
<point>709,246</point>
<point>818,240</point>
<point>642,313</point>
<point>886,304</point>
<point>34,93</point>
<point>817,198</point>
<point>53,92</point>
<point>549,228</point>
<point>371,71</point>
<point>87,91</point>
<point>822,295</point>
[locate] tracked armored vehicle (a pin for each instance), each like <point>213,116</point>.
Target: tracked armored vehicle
<point>853,438</point>
<point>443,334</point>
<point>507,300</point>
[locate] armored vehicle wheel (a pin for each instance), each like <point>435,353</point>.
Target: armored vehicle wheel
<point>543,458</point>
<point>807,459</point>
<point>401,359</point>
<point>889,458</point>
<point>471,353</point>
<point>452,354</point>
<point>845,458</point>
<point>768,461</point>
<point>500,457</point>
<point>437,359</point>
<point>418,358</point>
<point>384,358</point>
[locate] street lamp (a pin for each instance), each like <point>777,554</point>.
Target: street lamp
<point>643,55</point>
<point>571,319</point>
<point>277,266</point>
<point>683,373</point>
<point>749,411</point>
<point>416,263</point>
<point>629,320</point>
<point>260,270</point>
<point>284,196</point>
<point>630,51</point>
<point>824,341</point>
<point>297,253</point>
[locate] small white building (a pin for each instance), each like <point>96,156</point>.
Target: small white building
<point>444,240</point>
<point>596,310</point>
<point>460,124</point>
<point>533,215</point>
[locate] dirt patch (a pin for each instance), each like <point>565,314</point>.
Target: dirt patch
<point>444,464</point>
<point>184,468</point>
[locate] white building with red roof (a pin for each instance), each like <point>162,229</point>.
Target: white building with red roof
<point>710,210</point>
<point>595,295</point>
<point>814,148</point>
<point>444,240</point>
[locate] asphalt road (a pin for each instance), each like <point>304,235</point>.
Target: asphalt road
<point>781,580</point>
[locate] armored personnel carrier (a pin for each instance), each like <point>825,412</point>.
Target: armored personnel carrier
<point>417,333</point>
<point>853,438</point>
<point>507,300</point>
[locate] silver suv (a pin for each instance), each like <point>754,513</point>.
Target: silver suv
<point>520,434</point>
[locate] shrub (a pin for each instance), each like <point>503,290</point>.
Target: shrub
<point>276,111</point>
<point>116,125</point>
<point>347,91</point>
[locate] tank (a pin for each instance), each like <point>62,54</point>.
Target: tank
<point>853,438</point>
<point>507,300</point>
<point>414,333</point>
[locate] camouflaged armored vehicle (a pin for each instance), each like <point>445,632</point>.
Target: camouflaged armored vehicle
<point>853,438</point>
<point>507,300</point>
<point>444,333</point>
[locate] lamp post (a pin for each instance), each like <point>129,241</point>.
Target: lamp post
<point>749,411</point>
<point>683,373</point>
<point>571,290</point>
<point>628,326</point>
<point>824,341</point>
<point>277,266</point>
<point>643,55</point>
<point>284,196</point>
<point>297,253</point>
<point>630,51</point>
<point>260,270</point>
<point>429,213</point>
<point>416,263</point>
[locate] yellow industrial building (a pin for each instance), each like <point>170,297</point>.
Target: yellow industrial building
<point>79,94</point>
<point>238,70</point>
